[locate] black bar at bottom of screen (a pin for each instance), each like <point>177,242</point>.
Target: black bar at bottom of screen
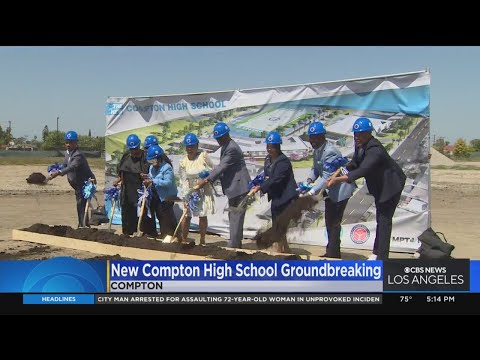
<point>365,303</point>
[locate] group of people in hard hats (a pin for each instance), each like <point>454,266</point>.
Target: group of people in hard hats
<point>151,168</point>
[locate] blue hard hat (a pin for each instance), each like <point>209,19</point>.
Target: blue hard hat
<point>190,139</point>
<point>316,128</point>
<point>71,136</point>
<point>362,124</point>
<point>273,137</point>
<point>149,141</point>
<point>154,152</point>
<point>220,129</point>
<point>133,141</point>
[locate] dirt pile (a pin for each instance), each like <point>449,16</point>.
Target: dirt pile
<point>36,178</point>
<point>438,159</point>
<point>143,242</point>
<point>290,215</point>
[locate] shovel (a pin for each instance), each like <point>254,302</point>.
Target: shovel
<point>243,204</point>
<point>142,210</point>
<point>87,205</point>
<point>112,212</point>
<point>171,238</point>
<point>335,174</point>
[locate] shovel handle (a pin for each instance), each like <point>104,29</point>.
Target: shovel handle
<point>87,205</point>
<point>179,223</point>
<point>112,212</point>
<point>142,209</point>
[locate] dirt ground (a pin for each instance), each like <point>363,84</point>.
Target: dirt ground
<point>455,205</point>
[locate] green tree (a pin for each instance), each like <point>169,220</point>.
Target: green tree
<point>461,150</point>
<point>166,127</point>
<point>54,141</point>
<point>45,133</point>
<point>439,144</point>
<point>475,144</point>
<point>89,133</point>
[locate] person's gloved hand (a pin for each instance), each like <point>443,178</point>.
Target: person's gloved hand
<point>53,175</point>
<point>304,187</point>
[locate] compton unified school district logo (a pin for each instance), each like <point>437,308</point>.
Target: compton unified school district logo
<point>359,234</point>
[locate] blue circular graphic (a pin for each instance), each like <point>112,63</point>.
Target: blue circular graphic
<point>63,274</point>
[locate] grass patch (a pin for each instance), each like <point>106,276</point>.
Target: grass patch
<point>302,164</point>
<point>93,162</point>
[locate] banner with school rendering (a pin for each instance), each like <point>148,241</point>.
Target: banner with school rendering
<point>398,106</point>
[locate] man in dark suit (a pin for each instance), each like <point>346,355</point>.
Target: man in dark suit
<point>385,181</point>
<point>234,177</point>
<point>76,167</point>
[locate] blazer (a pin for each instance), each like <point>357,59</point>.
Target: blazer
<point>164,181</point>
<point>231,171</point>
<point>383,175</point>
<point>280,186</point>
<point>321,156</point>
<point>76,167</point>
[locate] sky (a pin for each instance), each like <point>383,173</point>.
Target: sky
<point>39,84</point>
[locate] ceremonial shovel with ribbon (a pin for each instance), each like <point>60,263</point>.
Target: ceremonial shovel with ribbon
<point>112,194</point>
<point>250,197</point>
<point>88,192</point>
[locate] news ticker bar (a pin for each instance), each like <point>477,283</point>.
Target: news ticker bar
<point>441,303</point>
<point>251,298</point>
<point>108,299</point>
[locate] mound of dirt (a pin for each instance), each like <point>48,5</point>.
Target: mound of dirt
<point>439,159</point>
<point>36,178</point>
<point>143,242</point>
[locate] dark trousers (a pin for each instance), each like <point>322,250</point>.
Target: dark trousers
<point>163,210</point>
<point>129,218</point>
<point>236,220</point>
<point>385,211</point>
<point>333,222</point>
<point>130,221</point>
<point>81,204</point>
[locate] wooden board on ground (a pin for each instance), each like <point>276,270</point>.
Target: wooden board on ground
<point>123,251</point>
<point>102,249</point>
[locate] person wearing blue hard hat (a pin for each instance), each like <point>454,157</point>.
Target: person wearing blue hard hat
<point>279,185</point>
<point>129,176</point>
<point>336,198</point>
<point>384,177</point>
<point>234,177</point>
<point>149,141</point>
<point>198,203</point>
<point>220,130</point>
<point>162,178</point>
<point>77,169</point>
